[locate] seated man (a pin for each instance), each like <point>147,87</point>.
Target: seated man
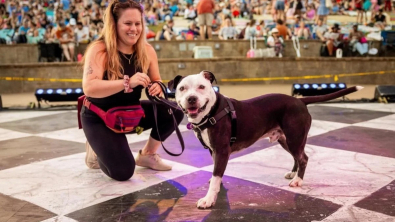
<point>319,30</point>
<point>82,33</point>
<point>193,32</point>
<point>66,39</point>
<point>333,39</point>
<point>358,41</point>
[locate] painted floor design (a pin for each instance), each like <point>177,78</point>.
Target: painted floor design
<point>350,175</point>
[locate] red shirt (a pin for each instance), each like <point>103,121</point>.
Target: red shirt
<point>205,6</point>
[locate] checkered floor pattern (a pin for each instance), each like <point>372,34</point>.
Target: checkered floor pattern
<point>350,175</point>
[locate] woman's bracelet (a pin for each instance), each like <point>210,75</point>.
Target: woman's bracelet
<point>126,80</point>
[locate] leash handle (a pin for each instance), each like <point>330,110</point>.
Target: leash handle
<point>154,100</point>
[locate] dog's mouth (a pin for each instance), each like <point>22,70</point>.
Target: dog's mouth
<point>193,111</point>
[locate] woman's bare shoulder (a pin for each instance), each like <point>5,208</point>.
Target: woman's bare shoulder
<point>150,50</point>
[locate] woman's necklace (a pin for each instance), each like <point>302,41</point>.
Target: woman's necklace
<point>131,56</point>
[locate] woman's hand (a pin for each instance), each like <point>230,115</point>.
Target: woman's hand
<point>139,79</point>
<point>155,90</point>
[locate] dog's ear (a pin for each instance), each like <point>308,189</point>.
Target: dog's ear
<point>209,76</point>
<point>172,85</point>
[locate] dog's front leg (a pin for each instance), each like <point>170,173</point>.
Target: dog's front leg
<point>220,161</point>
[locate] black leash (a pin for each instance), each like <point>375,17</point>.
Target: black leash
<point>172,105</point>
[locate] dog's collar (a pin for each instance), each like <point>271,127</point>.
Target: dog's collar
<point>213,117</point>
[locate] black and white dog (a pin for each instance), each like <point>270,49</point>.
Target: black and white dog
<point>226,125</point>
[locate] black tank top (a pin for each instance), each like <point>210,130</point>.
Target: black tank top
<point>121,98</point>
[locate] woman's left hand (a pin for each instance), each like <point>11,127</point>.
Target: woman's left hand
<point>155,90</point>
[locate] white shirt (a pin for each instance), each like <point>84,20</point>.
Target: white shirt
<point>81,33</point>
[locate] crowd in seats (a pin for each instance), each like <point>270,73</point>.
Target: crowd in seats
<point>70,22</point>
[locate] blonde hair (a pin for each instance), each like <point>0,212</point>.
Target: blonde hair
<point>109,36</point>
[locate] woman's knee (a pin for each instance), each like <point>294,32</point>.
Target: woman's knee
<point>122,173</point>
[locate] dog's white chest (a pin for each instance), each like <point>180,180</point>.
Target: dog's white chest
<point>205,138</point>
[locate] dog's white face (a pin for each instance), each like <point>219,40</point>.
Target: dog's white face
<point>195,95</point>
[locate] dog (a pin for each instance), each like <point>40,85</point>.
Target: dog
<point>225,125</point>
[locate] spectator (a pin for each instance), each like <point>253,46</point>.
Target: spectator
<point>7,33</point>
<point>333,39</point>
<point>322,11</point>
<point>228,31</point>
<point>167,32</point>
<point>358,41</point>
<point>310,13</point>
<point>250,31</point>
<point>192,33</point>
<point>82,33</point>
<point>97,18</point>
<point>282,29</point>
<point>276,41</point>
<point>166,13</point>
<point>380,20</point>
<point>65,36</point>
<point>190,12</point>
<point>205,9</point>
<point>319,30</point>
<point>302,32</point>
<point>49,36</point>
<point>262,30</point>
<point>360,11</point>
<point>151,16</point>
<point>174,9</point>
<point>74,13</point>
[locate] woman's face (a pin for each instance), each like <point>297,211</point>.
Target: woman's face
<point>129,26</point>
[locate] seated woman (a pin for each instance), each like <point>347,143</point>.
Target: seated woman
<point>167,32</point>
<point>276,41</point>
<point>302,32</point>
<point>228,31</point>
<point>310,13</point>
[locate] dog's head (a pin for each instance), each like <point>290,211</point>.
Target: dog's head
<point>194,94</point>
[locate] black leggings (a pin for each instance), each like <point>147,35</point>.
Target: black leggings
<point>114,155</point>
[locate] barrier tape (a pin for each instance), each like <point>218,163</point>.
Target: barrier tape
<point>335,76</point>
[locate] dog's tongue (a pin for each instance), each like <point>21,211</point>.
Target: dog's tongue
<point>192,110</point>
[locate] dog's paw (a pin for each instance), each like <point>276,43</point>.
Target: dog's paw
<point>290,175</point>
<point>296,182</point>
<point>206,202</point>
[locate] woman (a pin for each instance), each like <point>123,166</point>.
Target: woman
<point>121,50</point>
<point>358,41</point>
<point>276,41</point>
<point>322,11</point>
<point>228,31</point>
<point>250,31</point>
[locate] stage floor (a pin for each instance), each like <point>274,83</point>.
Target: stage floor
<point>350,175</point>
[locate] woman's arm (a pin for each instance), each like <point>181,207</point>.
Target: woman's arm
<point>92,80</point>
<point>153,71</point>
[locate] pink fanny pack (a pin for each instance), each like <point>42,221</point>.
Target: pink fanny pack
<point>121,119</point>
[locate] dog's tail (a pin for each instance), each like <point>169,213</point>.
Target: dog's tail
<point>323,98</point>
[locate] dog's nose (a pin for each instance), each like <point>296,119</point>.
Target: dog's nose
<point>192,100</point>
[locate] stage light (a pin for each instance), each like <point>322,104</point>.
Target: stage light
<point>61,95</point>
<point>216,88</point>
<point>315,89</point>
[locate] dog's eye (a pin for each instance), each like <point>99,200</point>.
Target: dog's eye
<point>181,88</point>
<point>201,87</point>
